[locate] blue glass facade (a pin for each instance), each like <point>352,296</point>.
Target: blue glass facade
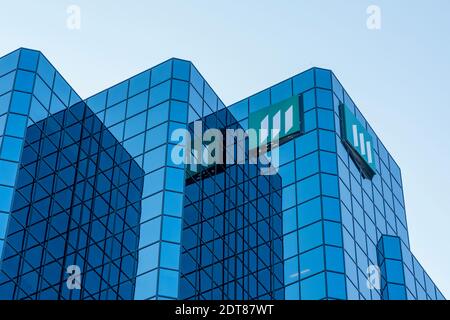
<point>77,202</point>
<point>232,231</point>
<point>311,232</point>
<point>333,217</point>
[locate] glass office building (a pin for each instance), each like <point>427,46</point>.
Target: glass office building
<point>92,184</point>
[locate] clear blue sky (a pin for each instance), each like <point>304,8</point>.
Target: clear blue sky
<point>399,76</point>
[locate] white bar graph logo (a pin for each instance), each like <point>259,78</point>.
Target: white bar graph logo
<point>359,141</point>
<point>276,125</point>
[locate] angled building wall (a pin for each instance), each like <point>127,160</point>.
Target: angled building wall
<point>339,199</point>
<point>30,90</point>
<point>77,202</point>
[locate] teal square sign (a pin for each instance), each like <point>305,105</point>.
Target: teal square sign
<point>358,141</point>
<point>281,119</point>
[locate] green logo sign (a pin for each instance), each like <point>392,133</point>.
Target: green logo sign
<point>358,141</point>
<point>278,121</point>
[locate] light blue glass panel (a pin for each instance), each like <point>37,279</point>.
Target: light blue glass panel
<point>313,288</point>
<point>290,245</point>
<point>309,100</point>
<point>8,172</point>
<point>24,81</point>
<point>62,89</point>
<point>148,258</point>
<point>323,78</point>
<point>98,102</point>
<point>178,111</point>
<point>308,189</point>
<point>260,101</point>
<point>46,71</point>
<point>168,283</point>
<point>180,90</point>
<point>158,115</point>
<point>2,124</point>
<point>310,236</point>
<point>336,286</point>
<point>146,285</point>
<point>9,62</point>
<point>150,232</point>
<point>325,119</point>
<point>334,258</point>
<point>159,93</point>
<point>288,199</point>
<point>309,212</point>
<point>303,81</point>
<point>137,104</point>
<point>394,270</point>
<point>56,104</point>
<point>239,110</point>
<point>6,82</point>
<point>312,262</point>
<point>20,102</point>
<point>328,162</point>
<point>153,182</point>
<point>115,114</point>
<point>307,166</point>
<point>310,120</point>
<point>155,159</point>
<point>135,146</point>
<point>6,194</point>
<point>330,185</point>
<point>117,93</point>
<point>4,103</point>
<point>11,149</point>
<point>151,207</point>
<point>331,209</point>
<point>156,137</point>
<point>197,80</point>
<point>306,144</point>
<point>175,179</point>
<point>161,72</point>
<point>181,69</point>
<point>16,125</point>
<point>292,292</point>
<point>396,292</point>
<point>281,91</point>
<point>291,273</point>
<point>171,229</point>
<point>28,59</point>
<point>170,255</point>
<point>173,203</point>
<point>327,140</point>
<point>289,220</point>
<point>135,125</point>
<point>3,225</point>
<point>139,83</point>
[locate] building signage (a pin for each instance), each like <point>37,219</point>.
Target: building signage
<point>358,141</point>
<point>279,121</point>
